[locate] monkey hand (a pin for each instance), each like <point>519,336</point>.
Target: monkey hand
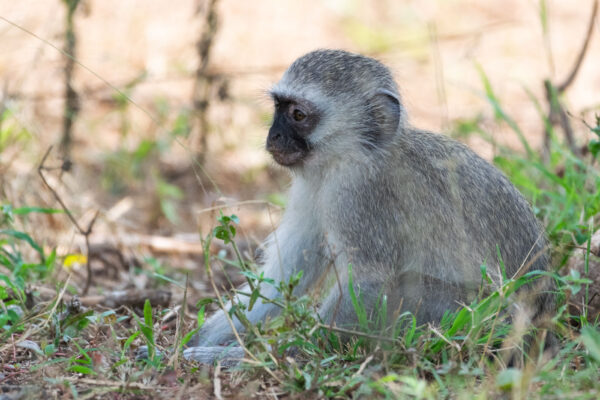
<point>142,353</point>
<point>228,356</point>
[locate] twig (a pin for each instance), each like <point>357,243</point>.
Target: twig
<point>162,244</point>
<point>363,366</point>
<point>217,381</point>
<point>57,302</point>
<point>444,338</point>
<point>115,384</point>
<point>204,83</point>
<point>562,87</point>
<point>230,321</point>
<point>174,361</point>
<point>71,107</point>
<point>86,233</point>
<point>557,113</point>
<point>438,65</point>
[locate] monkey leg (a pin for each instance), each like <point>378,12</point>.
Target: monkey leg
<point>425,297</point>
<point>340,308</point>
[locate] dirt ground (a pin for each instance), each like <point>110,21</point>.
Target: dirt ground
<point>147,49</point>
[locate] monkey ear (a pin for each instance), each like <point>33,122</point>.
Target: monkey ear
<point>389,110</point>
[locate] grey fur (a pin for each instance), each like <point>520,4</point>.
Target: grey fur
<point>415,213</point>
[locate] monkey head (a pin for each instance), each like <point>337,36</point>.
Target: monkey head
<point>319,116</point>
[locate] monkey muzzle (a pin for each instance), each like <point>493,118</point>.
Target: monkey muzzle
<point>286,150</point>
<point>287,159</point>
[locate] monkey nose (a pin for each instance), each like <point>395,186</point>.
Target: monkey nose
<point>273,141</point>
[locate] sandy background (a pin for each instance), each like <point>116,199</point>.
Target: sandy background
<point>433,48</point>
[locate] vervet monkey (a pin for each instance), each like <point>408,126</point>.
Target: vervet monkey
<point>415,213</point>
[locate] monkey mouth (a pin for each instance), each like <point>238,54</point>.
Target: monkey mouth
<point>287,159</point>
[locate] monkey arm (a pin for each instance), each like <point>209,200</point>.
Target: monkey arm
<point>288,250</point>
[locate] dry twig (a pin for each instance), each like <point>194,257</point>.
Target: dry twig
<point>557,114</point>
<point>85,232</point>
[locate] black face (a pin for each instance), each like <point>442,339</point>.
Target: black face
<point>293,122</point>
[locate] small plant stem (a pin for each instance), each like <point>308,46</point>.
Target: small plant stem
<point>226,314</point>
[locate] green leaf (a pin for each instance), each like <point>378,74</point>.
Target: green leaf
<point>50,349</point>
<point>253,298</point>
<point>201,317</point>
<point>148,313</point>
<point>143,150</point>
<point>29,210</point>
<point>146,327</point>
<point>78,321</point>
<point>590,337</point>
<point>205,301</point>
<point>359,308</point>
<point>169,210</point>
<point>169,190</point>
<point>188,337</point>
<point>23,236</point>
<point>508,378</point>
<point>130,340</point>
<point>594,147</point>
<point>81,369</point>
<point>168,279</point>
<point>500,114</point>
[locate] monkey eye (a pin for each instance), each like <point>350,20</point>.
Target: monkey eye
<point>298,115</point>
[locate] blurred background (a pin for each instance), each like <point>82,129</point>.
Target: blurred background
<point>161,115</point>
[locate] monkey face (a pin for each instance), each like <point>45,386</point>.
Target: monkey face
<point>293,122</point>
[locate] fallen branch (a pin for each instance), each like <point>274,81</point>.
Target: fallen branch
<point>132,298</point>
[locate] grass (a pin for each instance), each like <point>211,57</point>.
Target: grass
<point>465,356</point>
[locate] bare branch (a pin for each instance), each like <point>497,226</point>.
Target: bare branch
<point>85,232</point>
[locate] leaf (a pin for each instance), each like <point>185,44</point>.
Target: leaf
<point>205,301</point>
<point>29,210</point>
<point>72,259</point>
<point>130,340</point>
<point>201,317</point>
<point>594,147</point>
<point>23,236</point>
<point>168,279</point>
<point>78,321</point>
<point>148,313</point>
<point>50,349</point>
<point>188,337</point>
<point>590,337</point>
<point>81,369</point>
<point>169,210</point>
<point>253,298</point>
<point>50,260</point>
<point>358,308</point>
<point>500,113</point>
<point>508,378</point>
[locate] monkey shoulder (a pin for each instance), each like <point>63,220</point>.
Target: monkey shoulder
<point>438,159</point>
